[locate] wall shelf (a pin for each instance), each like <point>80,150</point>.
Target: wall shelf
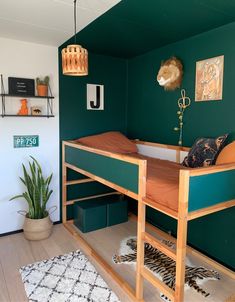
<point>26,96</point>
<point>48,98</point>
<point>29,115</point>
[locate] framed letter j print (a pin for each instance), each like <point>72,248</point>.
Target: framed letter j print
<point>95,97</point>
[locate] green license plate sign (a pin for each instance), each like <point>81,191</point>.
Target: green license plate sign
<point>26,141</point>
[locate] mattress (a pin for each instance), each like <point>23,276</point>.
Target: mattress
<point>162,183</point>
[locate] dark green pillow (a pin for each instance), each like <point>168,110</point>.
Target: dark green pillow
<point>204,152</point>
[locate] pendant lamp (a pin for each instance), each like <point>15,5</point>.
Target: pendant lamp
<point>74,56</point>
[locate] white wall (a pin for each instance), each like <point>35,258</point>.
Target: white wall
<point>27,60</point>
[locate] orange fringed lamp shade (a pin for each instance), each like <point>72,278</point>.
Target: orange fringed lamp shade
<point>75,60</point>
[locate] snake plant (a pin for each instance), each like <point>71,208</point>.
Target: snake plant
<point>38,192</point>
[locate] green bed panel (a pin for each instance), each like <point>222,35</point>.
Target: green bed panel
<point>86,189</point>
<point>211,189</point>
<point>73,175</point>
<point>116,171</point>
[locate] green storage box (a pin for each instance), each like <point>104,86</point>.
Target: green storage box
<point>97,213</point>
<point>90,215</point>
<point>117,210</point>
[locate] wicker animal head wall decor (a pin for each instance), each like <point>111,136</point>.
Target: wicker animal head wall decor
<point>170,74</point>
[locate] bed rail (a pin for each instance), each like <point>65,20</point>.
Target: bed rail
<point>211,189</point>
<point>201,191</point>
<point>170,152</point>
<point>121,172</point>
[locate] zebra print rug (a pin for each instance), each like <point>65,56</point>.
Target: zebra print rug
<point>163,266</point>
<point>67,278</point>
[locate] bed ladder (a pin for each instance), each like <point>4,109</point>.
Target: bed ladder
<point>178,256</point>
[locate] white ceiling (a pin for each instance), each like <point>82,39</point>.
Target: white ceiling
<point>47,22</point>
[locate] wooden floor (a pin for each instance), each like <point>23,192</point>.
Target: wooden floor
<point>15,252</point>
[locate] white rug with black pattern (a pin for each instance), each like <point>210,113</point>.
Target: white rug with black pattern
<point>67,278</point>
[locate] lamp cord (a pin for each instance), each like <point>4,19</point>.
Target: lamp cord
<point>75,21</point>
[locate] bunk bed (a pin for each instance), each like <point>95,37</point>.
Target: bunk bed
<point>200,192</point>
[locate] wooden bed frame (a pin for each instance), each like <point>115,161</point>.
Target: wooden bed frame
<point>201,191</point>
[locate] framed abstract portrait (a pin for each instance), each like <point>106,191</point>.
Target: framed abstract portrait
<point>209,79</point>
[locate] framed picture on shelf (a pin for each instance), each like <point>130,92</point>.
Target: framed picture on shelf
<point>21,86</point>
<point>36,110</point>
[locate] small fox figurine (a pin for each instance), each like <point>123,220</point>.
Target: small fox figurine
<point>24,109</point>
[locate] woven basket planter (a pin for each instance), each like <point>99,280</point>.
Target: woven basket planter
<point>37,229</point>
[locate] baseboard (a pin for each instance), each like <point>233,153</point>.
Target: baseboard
<point>20,231</point>
<point>11,233</point>
<point>57,222</point>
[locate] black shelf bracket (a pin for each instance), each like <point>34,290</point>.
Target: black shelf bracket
<point>3,97</point>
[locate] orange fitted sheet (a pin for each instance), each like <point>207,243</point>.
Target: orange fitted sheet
<point>162,181</point>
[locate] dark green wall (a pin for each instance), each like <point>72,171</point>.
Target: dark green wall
<point>76,121</point>
<point>152,115</point>
<point>152,111</point>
